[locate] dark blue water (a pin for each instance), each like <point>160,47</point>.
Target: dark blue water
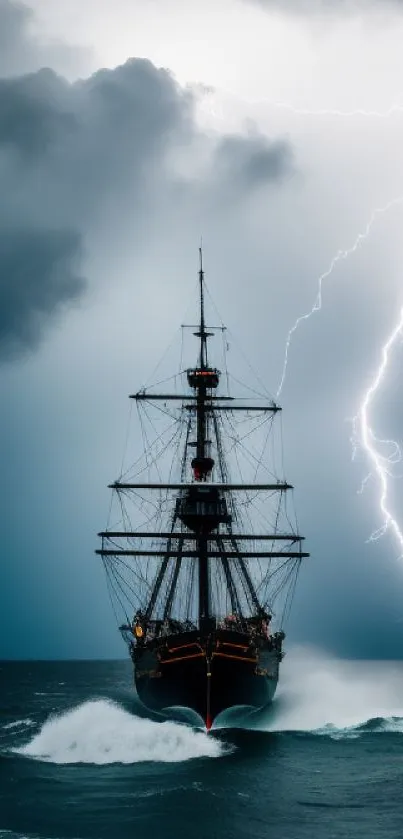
<point>77,762</point>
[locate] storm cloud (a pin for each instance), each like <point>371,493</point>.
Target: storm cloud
<point>253,160</point>
<point>68,151</point>
<point>41,266</point>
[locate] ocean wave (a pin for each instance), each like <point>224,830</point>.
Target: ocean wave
<point>101,732</point>
<point>374,725</point>
<point>258,722</point>
<point>10,834</point>
<point>392,725</point>
<point>18,724</point>
<point>377,725</point>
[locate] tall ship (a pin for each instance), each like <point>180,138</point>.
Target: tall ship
<point>202,551</point>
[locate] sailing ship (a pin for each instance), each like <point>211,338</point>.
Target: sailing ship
<point>206,581</point>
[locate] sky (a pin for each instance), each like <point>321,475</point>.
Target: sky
<point>128,130</point>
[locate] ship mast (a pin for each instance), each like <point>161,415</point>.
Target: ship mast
<point>201,387</point>
<point>201,473</point>
<point>202,333</point>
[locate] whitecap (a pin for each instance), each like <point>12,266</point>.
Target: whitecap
<point>101,732</point>
<point>18,724</point>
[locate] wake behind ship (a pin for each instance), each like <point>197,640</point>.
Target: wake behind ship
<point>203,566</point>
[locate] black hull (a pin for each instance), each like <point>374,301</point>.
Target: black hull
<point>206,681</point>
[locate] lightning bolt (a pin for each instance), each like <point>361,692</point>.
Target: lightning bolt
<point>340,256</point>
<point>218,111</point>
<point>395,108</point>
<point>363,436</point>
<point>330,112</point>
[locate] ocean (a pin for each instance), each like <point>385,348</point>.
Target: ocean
<point>77,761</point>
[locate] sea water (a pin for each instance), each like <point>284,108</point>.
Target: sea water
<point>78,760</point>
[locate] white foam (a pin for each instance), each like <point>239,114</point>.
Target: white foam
<point>321,694</point>
<point>11,835</point>
<point>18,724</point>
<point>393,725</point>
<point>102,732</point>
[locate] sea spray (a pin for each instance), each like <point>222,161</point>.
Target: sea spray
<point>318,693</point>
<point>101,732</point>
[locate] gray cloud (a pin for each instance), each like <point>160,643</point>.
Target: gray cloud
<point>14,21</point>
<point>22,52</point>
<point>31,116</point>
<point>253,160</point>
<point>71,151</point>
<point>41,267</point>
<point>64,151</point>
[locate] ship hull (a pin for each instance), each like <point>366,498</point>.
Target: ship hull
<point>207,678</point>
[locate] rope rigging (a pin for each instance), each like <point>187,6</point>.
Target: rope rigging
<point>199,446</point>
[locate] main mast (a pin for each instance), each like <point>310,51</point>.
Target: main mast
<point>202,465</point>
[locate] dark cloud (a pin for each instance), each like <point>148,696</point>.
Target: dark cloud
<point>65,150</point>
<point>41,265</point>
<point>31,116</point>
<point>70,152</point>
<point>253,160</point>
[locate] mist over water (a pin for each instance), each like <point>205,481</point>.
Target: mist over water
<point>318,693</point>
<point>316,690</point>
